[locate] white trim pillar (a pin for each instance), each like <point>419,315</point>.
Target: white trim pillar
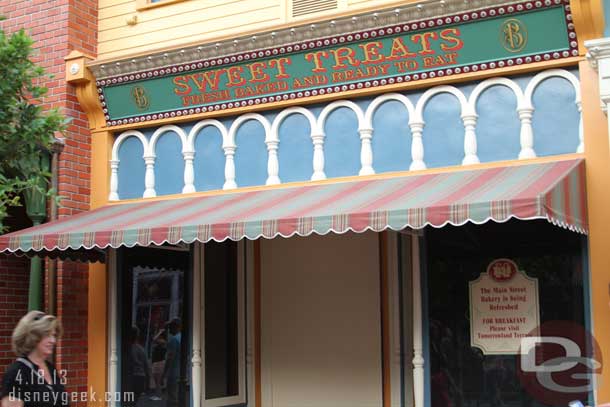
<point>149,177</point>
<point>418,334</point>
<point>114,180</point>
<point>598,56</point>
<point>113,352</point>
<point>197,359</point>
<point>189,172</point>
<point>318,156</point>
<point>366,152</point>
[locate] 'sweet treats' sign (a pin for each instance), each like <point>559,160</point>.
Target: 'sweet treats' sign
<point>479,40</point>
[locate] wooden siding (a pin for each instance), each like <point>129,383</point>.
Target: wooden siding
<point>199,21</point>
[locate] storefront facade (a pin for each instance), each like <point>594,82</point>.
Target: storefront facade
<point>366,204</point>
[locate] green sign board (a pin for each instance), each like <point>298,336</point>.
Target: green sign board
<point>484,39</point>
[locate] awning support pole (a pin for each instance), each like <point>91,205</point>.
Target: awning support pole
<point>36,208</point>
<point>418,358</point>
<point>35,287</point>
<point>56,149</point>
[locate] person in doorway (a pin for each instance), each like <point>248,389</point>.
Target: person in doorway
<point>158,362</point>
<point>33,381</point>
<point>171,370</point>
<point>139,366</point>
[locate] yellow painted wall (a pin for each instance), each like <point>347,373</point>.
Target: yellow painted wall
<point>597,158</point>
<point>97,332</point>
<point>97,316</point>
<point>189,22</point>
<point>321,322</point>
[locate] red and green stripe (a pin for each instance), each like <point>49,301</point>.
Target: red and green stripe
<point>553,190</point>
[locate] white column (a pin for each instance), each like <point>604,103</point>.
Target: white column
<point>366,152</point>
<point>229,168</point>
<point>149,177</point>
<point>273,165</point>
<point>598,56</point>
<point>189,172</point>
<point>318,157</point>
<point>196,361</point>
<point>417,146</point>
<point>114,180</point>
<point>418,348</point>
<point>526,136</point>
<point>113,358</point>
<point>470,139</point>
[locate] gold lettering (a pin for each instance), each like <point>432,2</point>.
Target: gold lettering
<point>400,50</point>
<point>257,72</point>
<point>234,74</point>
<point>451,35</point>
<point>316,58</point>
<point>371,52</point>
<point>424,39</point>
<point>280,64</point>
<point>342,55</point>
<point>139,97</point>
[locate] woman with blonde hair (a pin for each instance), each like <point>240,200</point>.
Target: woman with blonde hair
<point>33,381</point>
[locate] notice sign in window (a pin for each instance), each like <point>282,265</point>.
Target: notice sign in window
<point>504,308</point>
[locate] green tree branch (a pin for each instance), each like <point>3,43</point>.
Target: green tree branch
<point>26,129</point>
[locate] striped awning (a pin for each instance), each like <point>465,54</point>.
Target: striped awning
<point>551,190</point>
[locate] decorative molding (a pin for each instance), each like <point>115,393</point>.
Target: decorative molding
<point>525,113</point>
<point>81,77</point>
<point>305,32</point>
<point>525,110</point>
<point>526,132</point>
<point>152,145</point>
<point>598,56</point>
<point>114,160</point>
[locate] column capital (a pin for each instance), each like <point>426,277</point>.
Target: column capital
<point>598,55</point>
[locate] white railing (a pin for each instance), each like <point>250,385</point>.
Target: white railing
<point>366,131</point>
